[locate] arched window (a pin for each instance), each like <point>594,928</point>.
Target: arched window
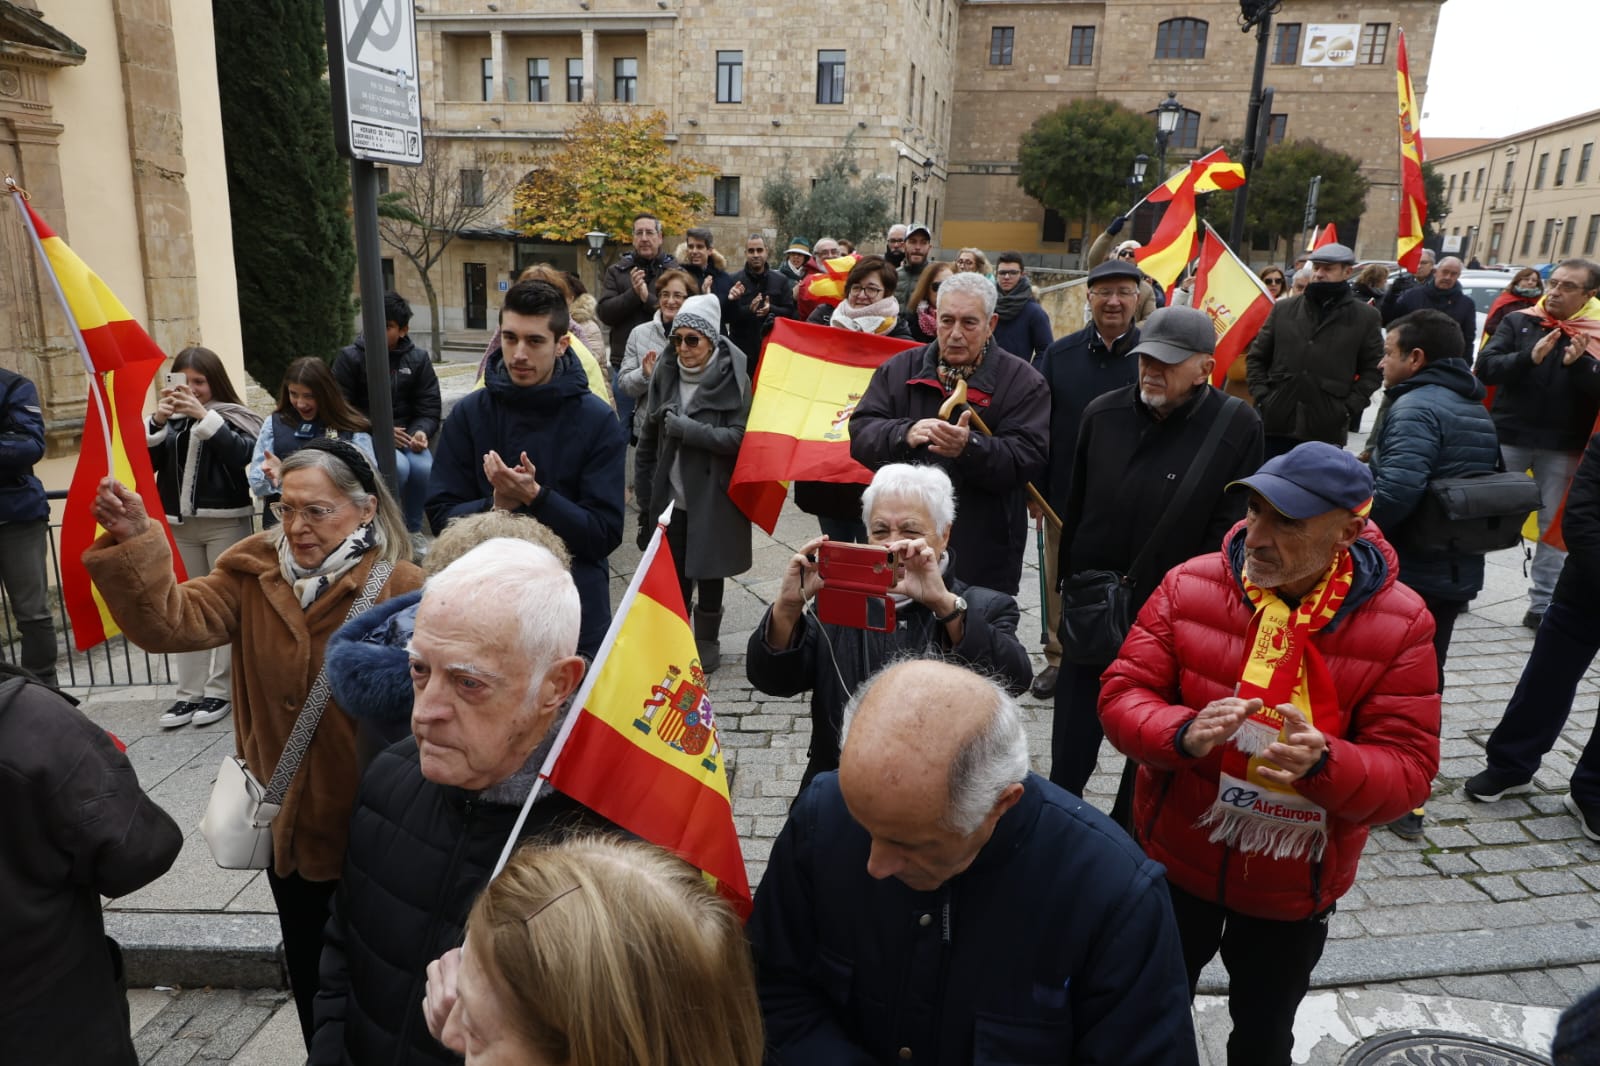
<point>1187,132</point>
<point>1181,39</point>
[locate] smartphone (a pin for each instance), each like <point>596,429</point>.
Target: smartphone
<point>177,379</point>
<point>306,431</point>
<point>856,579</point>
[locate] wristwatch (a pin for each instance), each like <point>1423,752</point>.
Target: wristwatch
<point>961,609</point>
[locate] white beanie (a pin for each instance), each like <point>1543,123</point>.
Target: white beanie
<point>702,313</point>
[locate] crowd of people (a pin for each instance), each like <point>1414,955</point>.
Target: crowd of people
<point>1256,618</point>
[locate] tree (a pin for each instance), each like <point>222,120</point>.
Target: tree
<point>839,202</point>
<point>427,207</point>
<point>1279,186</point>
<point>607,169</point>
<point>1438,202</point>
<point>1076,160</point>
<point>288,191</point>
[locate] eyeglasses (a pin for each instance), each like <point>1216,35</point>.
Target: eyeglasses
<point>1008,273</point>
<point>316,514</point>
<point>826,253</point>
<point>1125,255</point>
<point>1106,294</point>
<point>672,296</point>
<point>688,340</point>
<point>872,293</point>
<point>1563,286</point>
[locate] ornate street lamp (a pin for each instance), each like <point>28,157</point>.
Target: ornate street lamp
<point>597,243</point>
<point>1141,164</point>
<point>1168,115</point>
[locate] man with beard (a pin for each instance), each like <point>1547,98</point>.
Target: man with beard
<point>895,243</point>
<point>1445,293</point>
<point>1314,366</point>
<point>751,299</point>
<point>919,242</point>
<point>628,291</point>
<point>1024,328</point>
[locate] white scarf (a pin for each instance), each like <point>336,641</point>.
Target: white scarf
<point>311,582</point>
<point>876,317</point>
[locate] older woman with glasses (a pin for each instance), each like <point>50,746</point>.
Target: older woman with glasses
<point>275,597</point>
<point>649,339</point>
<point>693,425</point>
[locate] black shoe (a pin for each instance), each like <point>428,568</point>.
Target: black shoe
<point>1588,820</point>
<point>1532,619</point>
<point>211,709</point>
<point>1490,785</point>
<point>178,714</point>
<point>1044,686</point>
<point>1408,826</point>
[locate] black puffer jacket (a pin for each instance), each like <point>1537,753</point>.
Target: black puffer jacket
<point>832,661</point>
<point>419,855</point>
<point>200,466</point>
<point>1551,405</point>
<point>1313,367</point>
<point>1453,301</point>
<point>413,385</point>
<point>77,826</point>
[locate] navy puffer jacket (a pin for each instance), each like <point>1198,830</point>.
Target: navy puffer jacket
<point>1435,426</point>
<point>21,445</point>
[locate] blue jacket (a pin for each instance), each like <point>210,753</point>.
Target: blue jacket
<point>577,447</point>
<point>1027,335</point>
<point>1057,945</point>
<point>1433,426</point>
<point>21,445</point>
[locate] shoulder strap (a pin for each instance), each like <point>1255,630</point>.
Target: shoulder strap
<point>1191,480</point>
<point>305,726</point>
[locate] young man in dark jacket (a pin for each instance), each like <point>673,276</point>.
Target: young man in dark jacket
<point>414,394</point>
<point>1024,327</point>
<point>752,299</point>
<point>934,902</point>
<point>535,440</point>
<point>25,523</point>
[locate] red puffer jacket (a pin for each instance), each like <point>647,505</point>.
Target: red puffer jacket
<point>1186,649</point>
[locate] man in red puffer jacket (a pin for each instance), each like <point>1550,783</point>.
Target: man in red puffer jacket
<point>1280,696</point>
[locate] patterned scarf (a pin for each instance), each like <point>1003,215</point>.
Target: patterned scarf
<point>311,582</point>
<point>927,319</point>
<point>949,375</point>
<point>1281,665</point>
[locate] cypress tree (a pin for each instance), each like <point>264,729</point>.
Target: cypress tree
<point>288,189</point>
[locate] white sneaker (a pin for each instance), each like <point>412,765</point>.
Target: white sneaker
<point>211,709</point>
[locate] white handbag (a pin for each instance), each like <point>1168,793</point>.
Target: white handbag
<point>237,825</point>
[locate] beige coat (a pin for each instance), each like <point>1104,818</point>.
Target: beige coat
<point>277,652</point>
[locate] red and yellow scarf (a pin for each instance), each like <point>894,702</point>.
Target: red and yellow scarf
<point>1281,665</point>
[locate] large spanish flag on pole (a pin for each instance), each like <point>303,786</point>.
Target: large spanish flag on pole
<point>640,745</point>
<point>1233,297</point>
<point>1171,246</point>
<point>121,361</point>
<point>1212,172</point>
<point>809,383</point>
<point>1413,194</point>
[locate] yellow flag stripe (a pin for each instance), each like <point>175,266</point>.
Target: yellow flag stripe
<point>805,398</point>
<point>93,303</point>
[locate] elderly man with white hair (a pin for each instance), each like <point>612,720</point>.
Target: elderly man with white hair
<point>908,510</point>
<point>493,660</point>
<point>934,902</point>
<point>897,421</point>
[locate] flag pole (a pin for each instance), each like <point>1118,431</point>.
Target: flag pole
<point>96,385</point>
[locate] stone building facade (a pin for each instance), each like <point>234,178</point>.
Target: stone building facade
<point>109,118</point>
<point>1532,197</point>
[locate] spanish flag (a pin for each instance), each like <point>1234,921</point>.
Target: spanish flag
<point>1171,246</point>
<point>1327,235</point>
<point>1233,297</point>
<point>1413,194</point>
<point>1212,172</point>
<point>121,361</point>
<point>640,746</point>
<point>810,380</point>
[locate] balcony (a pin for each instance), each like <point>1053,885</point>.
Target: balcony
<point>1501,203</point>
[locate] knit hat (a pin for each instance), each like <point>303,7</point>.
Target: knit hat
<point>800,245</point>
<point>700,313</point>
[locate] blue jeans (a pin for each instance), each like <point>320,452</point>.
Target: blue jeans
<point>1552,470</point>
<point>411,470</point>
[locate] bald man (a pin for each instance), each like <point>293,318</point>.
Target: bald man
<point>1443,292</point>
<point>934,902</point>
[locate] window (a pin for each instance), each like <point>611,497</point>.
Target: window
<point>386,269</point>
<point>538,81</point>
<point>625,80</point>
<point>1591,237</point>
<point>1181,39</point>
<point>830,76</point>
<point>730,78</point>
<point>472,188</point>
<point>1055,227</point>
<point>1286,47</point>
<point>487,68</point>
<point>1277,128</point>
<point>1527,238</point>
<point>1374,47</point>
<point>383,180</point>
<point>1081,52</point>
<point>1497,237</point>
<point>911,94</point>
<point>1466,176</point>
<point>1187,133</point>
<point>1568,232</point>
<point>1544,165</point>
<point>725,196</point>
<point>1001,40</point>
<point>1547,236</point>
<point>1477,185</point>
<point>922,97</point>
<point>1561,165</point>
<point>1511,170</point>
<point>1450,191</point>
<point>574,81</point>
<point>1584,157</point>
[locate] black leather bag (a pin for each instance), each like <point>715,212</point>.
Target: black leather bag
<point>1096,614</point>
<point>1471,515</point>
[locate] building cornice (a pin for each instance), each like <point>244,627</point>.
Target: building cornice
<point>27,38</point>
<point>1517,138</point>
<point>543,22</point>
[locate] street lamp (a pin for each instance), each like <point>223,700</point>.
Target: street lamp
<point>1141,164</point>
<point>1555,246</point>
<point>597,243</point>
<point>1168,115</point>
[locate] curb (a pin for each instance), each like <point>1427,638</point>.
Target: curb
<point>190,949</point>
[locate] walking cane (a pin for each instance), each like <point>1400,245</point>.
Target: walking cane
<point>1044,596</point>
<point>957,397</point>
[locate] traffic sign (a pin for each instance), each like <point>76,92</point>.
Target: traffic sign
<point>372,70</point>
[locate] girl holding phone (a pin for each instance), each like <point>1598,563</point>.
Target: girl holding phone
<point>310,405</point>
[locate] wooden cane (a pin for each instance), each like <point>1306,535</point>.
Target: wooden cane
<point>958,397</point>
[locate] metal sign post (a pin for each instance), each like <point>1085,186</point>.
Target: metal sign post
<point>377,118</point>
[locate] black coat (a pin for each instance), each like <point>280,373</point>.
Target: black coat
<point>413,385</point>
<point>832,661</point>
<point>22,496</point>
<point>1057,945</point>
<point>1311,369</point>
<point>990,533</point>
<point>419,855</point>
<point>1579,583</point>
<point>1453,301</point>
<point>619,307</point>
<point>746,329</point>
<point>1078,368</point>
<point>200,467</point>
<point>1126,470</point>
<point>77,827</point>
<point>1546,406</point>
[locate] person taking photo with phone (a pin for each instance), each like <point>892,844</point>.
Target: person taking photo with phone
<point>909,510</point>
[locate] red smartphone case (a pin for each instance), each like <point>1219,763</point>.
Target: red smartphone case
<point>855,584</point>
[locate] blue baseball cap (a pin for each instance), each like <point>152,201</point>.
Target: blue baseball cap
<point>1313,479</point>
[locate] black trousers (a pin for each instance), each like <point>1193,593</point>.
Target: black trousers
<point>302,917</point>
<point>1445,613</point>
<point>1269,970</point>
<point>710,587</point>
